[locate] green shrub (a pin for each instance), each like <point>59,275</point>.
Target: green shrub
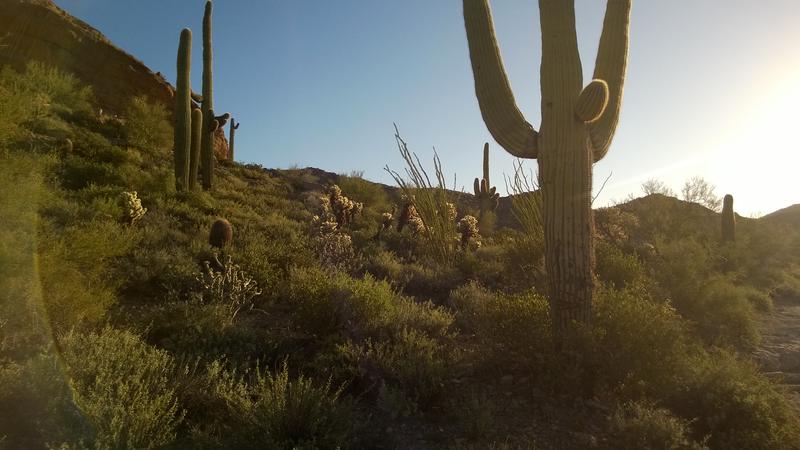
<point>724,316</point>
<point>262,409</point>
<point>734,405</point>
<point>637,425</point>
<point>514,330</point>
<point>228,286</point>
<point>640,347</point>
<point>412,363</point>
<point>76,276</point>
<point>618,268</point>
<point>147,125</point>
<point>124,387</point>
<point>326,303</point>
<point>61,88</point>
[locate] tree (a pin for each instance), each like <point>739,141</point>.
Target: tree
<point>655,186</point>
<point>698,190</point>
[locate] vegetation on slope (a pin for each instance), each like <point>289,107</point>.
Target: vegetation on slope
<point>314,331</point>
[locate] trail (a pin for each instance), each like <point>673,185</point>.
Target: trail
<point>779,352</point>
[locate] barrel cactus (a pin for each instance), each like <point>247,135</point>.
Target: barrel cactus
<point>221,234</point>
<point>578,123</point>
<point>487,195</point>
<point>183,112</point>
<point>728,220</point>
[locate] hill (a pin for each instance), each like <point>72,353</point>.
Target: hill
<point>788,216</point>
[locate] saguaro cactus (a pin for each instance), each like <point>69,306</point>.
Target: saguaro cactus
<point>197,136</point>
<point>231,137</point>
<point>183,112</point>
<point>486,193</point>
<point>578,124</point>
<point>728,220</point>
<point>207,142</point>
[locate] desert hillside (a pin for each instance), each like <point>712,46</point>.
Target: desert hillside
<point>301,308</point>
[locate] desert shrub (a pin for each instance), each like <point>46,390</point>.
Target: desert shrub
<point>61,88</point>
<point>411,365</point>
<point>97,148</point>
<point>734,406</point>
<point>639,347</point>
<point>326,303</point>
<point>75,268</point>
<point>724,316</point>
<point>228,286</point>
<point>618,268</point>
<point>147,125</point>
<point>720,311</point>
<point>514,329</point>
<point>760,300</point>
<point>523,261</point>
<point>373,196</point>
<point>38,393</point>
<point>124,387</point>
<point>264,409</point>
<point>637,425</point>
<point>78,173</point>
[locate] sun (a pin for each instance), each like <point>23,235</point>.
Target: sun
<point>759,159</point>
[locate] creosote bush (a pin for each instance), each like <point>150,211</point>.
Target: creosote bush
<point>124,387</point>
<point>147,125</point>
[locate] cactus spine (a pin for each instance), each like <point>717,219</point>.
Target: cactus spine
<point>183,112</point>
<point>231,137</point>
<point>728,220</point>
<point>577,128</point>
<point>488,197</point>
<point>207,142</point>
<point>197,134</point>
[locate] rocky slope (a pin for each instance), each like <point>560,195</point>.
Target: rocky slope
<point>38,30</point>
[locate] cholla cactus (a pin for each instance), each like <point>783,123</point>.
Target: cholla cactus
<point>468,227</point>
<point>133,207</point>
<point>229,286</point>
<point>415,224</point>
<point>344,209</point>
<point>386,222</point>
<point>334,248</point>
<point>407,214</point>
<point>452,212</point>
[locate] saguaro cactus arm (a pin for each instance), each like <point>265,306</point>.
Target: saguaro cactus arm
<point>592,102</point>
<point>495,97</point>
<point>610,65</point>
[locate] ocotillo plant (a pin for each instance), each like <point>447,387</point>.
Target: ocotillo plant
<point>207,141</point>
<point>231,137</point>
<point>728,220</point>
<point>578,124</point>
<point>488,197</point>
<point>197,136</point>
<point>183,112</point>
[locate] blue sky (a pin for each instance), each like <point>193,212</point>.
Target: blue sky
<point>712,86</point>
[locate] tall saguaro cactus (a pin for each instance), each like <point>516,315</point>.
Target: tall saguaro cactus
<point>578,124</point>
<point>207,141</point>
<point>197,136</point>
<point>488,197</point>
<point>183,112</point>
<point>728,220</point>
<point>231,137</point>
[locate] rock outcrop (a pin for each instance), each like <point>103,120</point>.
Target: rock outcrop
<point>38,30</point>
